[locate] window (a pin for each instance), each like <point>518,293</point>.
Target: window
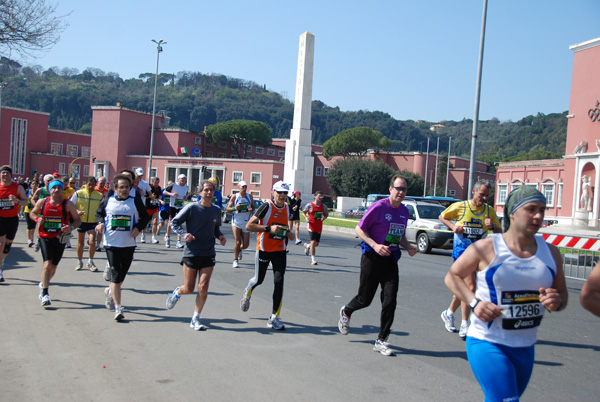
<point>85,151</point>
<point>255,178</point>
<point>56,149</point>
<point>198,140</point>
<point>62,168</point>
<point>171,174</point>
<point>72,150</point>
<point>260,150</point>
<point>281,154</point>
<point>255,194</point>
<point>237,177</point>
<point>222,144</point>
<point>248,148</point>
<point>86,171</point>
<point>153,173</point>
<point>209,143</point>
<point>560,194</point>
<point>18,141</point>
<point>221,155</point>
<point>271,152</point>
<point>325,171</point>
<point>318,171</point>
<point>502,193</point>
<point>548,191</point>
<point>209,154</point>
<point>75,171</point>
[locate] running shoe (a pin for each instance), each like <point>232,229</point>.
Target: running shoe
<point>196,324</point>
<point>98,248</point>
<point>173,299</point>
<point>110,304</point>
<point>143,238</point>
<point>79,266</point>
<point>306,249</point>
<point>154,241</point>
<point>245,303</point>
<point>448,321</point>
<point>314,262</point>
<point>2,275</point>
<point>36,246</point>
<point>119,314</point>
<point>107,275</point>
<point>383,348</point>
<point>236,264</point>
<point>179,244</point>
<point>344,323</point>
<point>68,244</point>
<point>463,331</point>
<point>91,266</point>
<point>298,241</point>
<point>29,243</point>
<point>45,300</point>
<point>168,243</point>
<point>274,323</point>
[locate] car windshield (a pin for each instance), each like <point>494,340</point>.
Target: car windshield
<point>430,211</point>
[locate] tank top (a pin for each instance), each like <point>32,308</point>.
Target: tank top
<point>513,283</point>
<point>315,214</point>
<point>54,219</point>
<point>121,217</point>
<point>266,241</point>
<point>241,215</point>
<point>9,209</point>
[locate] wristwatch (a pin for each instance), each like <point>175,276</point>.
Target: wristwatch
<point>473,303</point>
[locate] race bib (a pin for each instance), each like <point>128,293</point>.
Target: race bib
<point>52,224</point>
<point>521,309</point>
<point>6,204</point>
<point>318,215</point>
<point>281,234</point>
<point>178,204</point>
<point>394,235</point>
<point>120,223</point>
<point>243,207</point>
<point>472,233</point>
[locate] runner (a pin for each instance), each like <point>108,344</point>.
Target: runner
<point>242,206</point>
<point>470,221</point>
<point>152,205</point>
<point>202,220</point>
<point>12,196</point>
<point>163,208</point>
<point>382,231</point>
<point>176,193</point>
<point>55,214</point>
<point>42,192</point>
<point>87,200</point>
<point>270,222</point>
<point>315,213</point>
<point>33,187</point>
<point>590,294</point>
<point>121,217</point>
<point>102,189</point>
<point>518,276</point>
<point>142,185</point>
<point>296,205</point>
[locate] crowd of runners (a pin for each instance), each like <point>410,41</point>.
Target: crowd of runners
<point>504,282</point>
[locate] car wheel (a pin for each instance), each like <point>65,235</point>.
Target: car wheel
<point>423,243</point>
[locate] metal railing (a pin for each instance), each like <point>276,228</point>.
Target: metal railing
<point>578,263</point>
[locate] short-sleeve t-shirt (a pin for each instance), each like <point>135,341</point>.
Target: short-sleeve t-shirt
<point>384,223</point>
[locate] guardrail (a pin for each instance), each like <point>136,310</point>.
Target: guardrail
<point>580,254</point>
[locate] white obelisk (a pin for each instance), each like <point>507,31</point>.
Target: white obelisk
<point>299,164</point>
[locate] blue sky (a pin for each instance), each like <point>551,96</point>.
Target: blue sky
<point>413,59</point>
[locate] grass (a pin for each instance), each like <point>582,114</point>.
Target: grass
<point>340,222</point>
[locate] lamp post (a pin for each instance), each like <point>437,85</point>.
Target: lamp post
<point>158,50</point>
<point>2,85</point>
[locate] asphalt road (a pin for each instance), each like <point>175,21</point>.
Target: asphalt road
<point>75,351</point>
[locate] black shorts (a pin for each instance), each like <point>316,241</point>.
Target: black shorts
<point>9,226</point>
<point>85,227</point>
<point>164,215</point>
<point>52,249</point>
<point>30,222</point>
<point>198,262</point>
<point>173,212</point>
<point>314,236</point>
<point>119,259</point>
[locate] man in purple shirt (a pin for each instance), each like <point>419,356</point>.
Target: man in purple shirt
<point>382,231</point>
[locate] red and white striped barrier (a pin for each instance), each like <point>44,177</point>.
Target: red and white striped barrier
<point>583,243</point>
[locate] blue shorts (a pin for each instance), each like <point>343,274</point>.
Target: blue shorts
<point>503,372</point>
<point>86,227</point>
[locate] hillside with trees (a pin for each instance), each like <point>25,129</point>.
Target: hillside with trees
<point>194,100</point>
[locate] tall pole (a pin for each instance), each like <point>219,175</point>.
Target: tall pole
<point>477,95</point>
<point>2,85</point>
<point>426,167</point>
<point>437,155</point>
<point>448,167</point>
<point>158,50</point>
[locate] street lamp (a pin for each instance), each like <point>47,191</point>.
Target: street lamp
<point>158,50</point>
<point>2,85</point>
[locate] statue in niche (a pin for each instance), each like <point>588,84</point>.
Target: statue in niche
<point>586,198</point>
<point>581,148</point>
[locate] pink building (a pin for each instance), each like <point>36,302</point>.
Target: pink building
<point>570,184</point>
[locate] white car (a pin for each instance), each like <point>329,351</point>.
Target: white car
<point>424,227</point>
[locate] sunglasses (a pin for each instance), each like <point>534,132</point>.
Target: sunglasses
<point>281,192</point>
<point>400,189</point>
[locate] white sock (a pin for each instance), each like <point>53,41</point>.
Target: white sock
<point>196,315</point>
<point>464,323</point>
<point>450,313</point>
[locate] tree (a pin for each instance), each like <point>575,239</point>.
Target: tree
<point>357,177</point>
<point>27,26</point>
<point>354,141</point>
<point>240,133</point>
<point>415,182</point>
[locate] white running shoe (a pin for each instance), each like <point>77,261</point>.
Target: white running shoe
<point>179,244</point>
<point>45,300</point>
<point>344,323</point>
<point>109,303</point>
<point>196,324</point>
<point>36,246</point>
<point>273,322</point>
<point>298,241</point>
<point>448,321</point>
<point>306,249</point>
<point>154,241</point>
<point>91,266</point>
<point>245,303</point>
<point>143,238</point>
<point>68,244</point>
<point>383,348</point>
<point>1,275</point>
<point>168,243</point>
<point>107,275</point>
<point>463,331</point>
<point>119,314</point>
<point>173,299</point>
<point>79,266</point>
<point>236,264</point>
<point>314,262</point>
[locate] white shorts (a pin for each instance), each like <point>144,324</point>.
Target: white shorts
<point>240,225</point>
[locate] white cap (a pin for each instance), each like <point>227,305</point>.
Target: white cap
<point>139,171</point>
<point>242,184</point>
<point>181,176</point>
<point>281,186</point>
